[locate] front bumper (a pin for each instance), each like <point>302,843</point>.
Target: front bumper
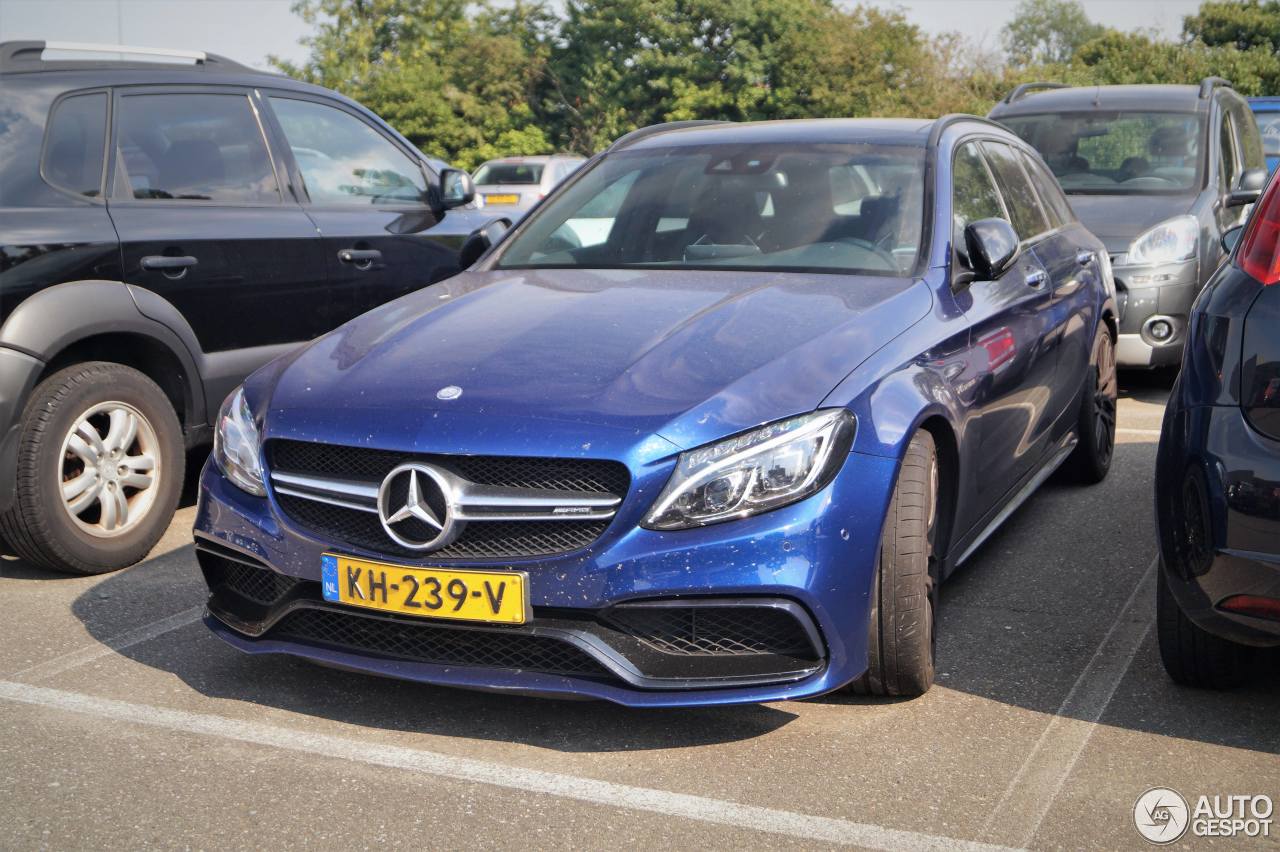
<point>18,374</point>
<point>1218,519</point>
<point>812,561</point>
<point>1146,293</point>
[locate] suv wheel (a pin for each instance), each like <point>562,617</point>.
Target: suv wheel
<point>100,468</point>
<point>1191,655</point>
<point>904,596</point>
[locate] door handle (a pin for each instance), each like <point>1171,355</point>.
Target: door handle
<point>362,258</point>
<point>1084,257</point>
<point>166,263</point>
<point>1037,278</point>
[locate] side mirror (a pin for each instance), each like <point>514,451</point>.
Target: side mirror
<point>992,245</point>
<point>1230,237</point>
<point>456,188</point>
<point>481,240</point>
<point>1248,188</point>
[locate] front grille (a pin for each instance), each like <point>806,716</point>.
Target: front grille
<point>369,465</point>
<point>478,539</point>
<point>430,643</point>
<point>716,630</point>
<point>233,572</point>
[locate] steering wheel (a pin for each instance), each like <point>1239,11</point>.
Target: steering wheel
<point>874,248</point>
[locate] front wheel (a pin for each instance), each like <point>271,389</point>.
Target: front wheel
<point>100,468</point>
<point>1096,427</point>
<point>904,595</point>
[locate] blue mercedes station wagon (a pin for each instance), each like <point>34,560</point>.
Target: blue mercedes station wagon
<point>710,425</point>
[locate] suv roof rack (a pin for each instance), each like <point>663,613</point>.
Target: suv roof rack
<point>1023,89</point>
<point>17,56</point>
<point>654,129</point>
<point>1208,84</point>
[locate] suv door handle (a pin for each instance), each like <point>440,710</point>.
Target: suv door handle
<point>362,258</point>
<point>1037,278</point>
<point>165,262</point>
<point>1084,257</point>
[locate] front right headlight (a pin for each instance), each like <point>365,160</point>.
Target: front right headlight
<point>235,445</point>
<point>768,467</point>
<point>1171,241</point>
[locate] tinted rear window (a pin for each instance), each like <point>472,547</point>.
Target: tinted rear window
<point>491,173</point>
<point>75,142</point>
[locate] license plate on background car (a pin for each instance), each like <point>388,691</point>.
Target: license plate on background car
<point>493,596</point>
<point>502,199</point>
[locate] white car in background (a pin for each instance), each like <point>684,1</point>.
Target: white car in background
<point>512,185</point>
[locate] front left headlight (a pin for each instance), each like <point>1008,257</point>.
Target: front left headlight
<point>235,445</point>
<point>754,472</point>
<point>1169,242</point>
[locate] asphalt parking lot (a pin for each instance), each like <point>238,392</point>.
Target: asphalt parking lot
<point>128,725</point>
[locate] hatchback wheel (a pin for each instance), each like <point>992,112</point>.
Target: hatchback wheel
<point>904,596</point>
<point>1096,428</point>
<point>100,468</point>
<point>1191,655</point>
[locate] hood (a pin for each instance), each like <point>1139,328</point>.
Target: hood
<point>556,360</point>
<point>1117,219</point>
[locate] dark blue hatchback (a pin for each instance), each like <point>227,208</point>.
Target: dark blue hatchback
<point>710,425</point>
<point>1218,470</point>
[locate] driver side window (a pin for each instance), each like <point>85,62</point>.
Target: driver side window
<point>973,193</point>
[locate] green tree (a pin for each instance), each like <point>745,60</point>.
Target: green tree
<point>1242,24</point>
<point>1047,31</point>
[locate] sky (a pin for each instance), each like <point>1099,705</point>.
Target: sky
<point>250,30</point>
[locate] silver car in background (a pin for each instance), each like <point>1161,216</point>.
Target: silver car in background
<point>512,185</point>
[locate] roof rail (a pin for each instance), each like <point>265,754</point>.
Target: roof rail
<point>655,129</point>
<point>1023,89</point>
<point>935,131</point>
<point>1208,84</point>
<point>31,56</point>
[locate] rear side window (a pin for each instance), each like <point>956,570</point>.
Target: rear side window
<point>192,147</point>
<point>1051,198</point>
<point>973,194</point>
<point>345,161</point>
<point>1024,209</point>
<point>74,144</point>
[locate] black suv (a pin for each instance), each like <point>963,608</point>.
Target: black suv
<point>165,229</point>
<point>1159,174</point>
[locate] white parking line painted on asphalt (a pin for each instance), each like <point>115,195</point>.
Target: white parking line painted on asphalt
<point>702,809</point>
<point>1146,433</point>
<point>137,636</point>
<point>1016,819</point>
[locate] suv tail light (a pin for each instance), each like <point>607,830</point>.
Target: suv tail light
<point>1259,254</point>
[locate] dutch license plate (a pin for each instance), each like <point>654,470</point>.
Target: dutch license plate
<point>493,596</point>
<point>502,199</point>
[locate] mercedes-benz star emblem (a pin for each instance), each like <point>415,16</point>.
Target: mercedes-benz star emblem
<point>415,505</point>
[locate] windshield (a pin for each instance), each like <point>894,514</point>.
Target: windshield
<point>1117,153</point>
<point>821,208</point>
<point>491,173</point>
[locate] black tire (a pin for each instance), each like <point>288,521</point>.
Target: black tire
<point>904,596</point>
<point>1191,655</point>
<point>1096,429</point>
<point>39,526</point>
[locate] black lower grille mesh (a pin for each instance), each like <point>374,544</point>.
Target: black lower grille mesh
<point>487,540</point>
<point>716,631</point>
<point>430,643</point>
<point>260,585</point>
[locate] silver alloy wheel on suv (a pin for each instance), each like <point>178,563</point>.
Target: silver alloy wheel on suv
<point>110,467</point>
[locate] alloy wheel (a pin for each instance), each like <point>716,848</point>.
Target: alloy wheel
<point>1104,400</point>
<point>110,469</point>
